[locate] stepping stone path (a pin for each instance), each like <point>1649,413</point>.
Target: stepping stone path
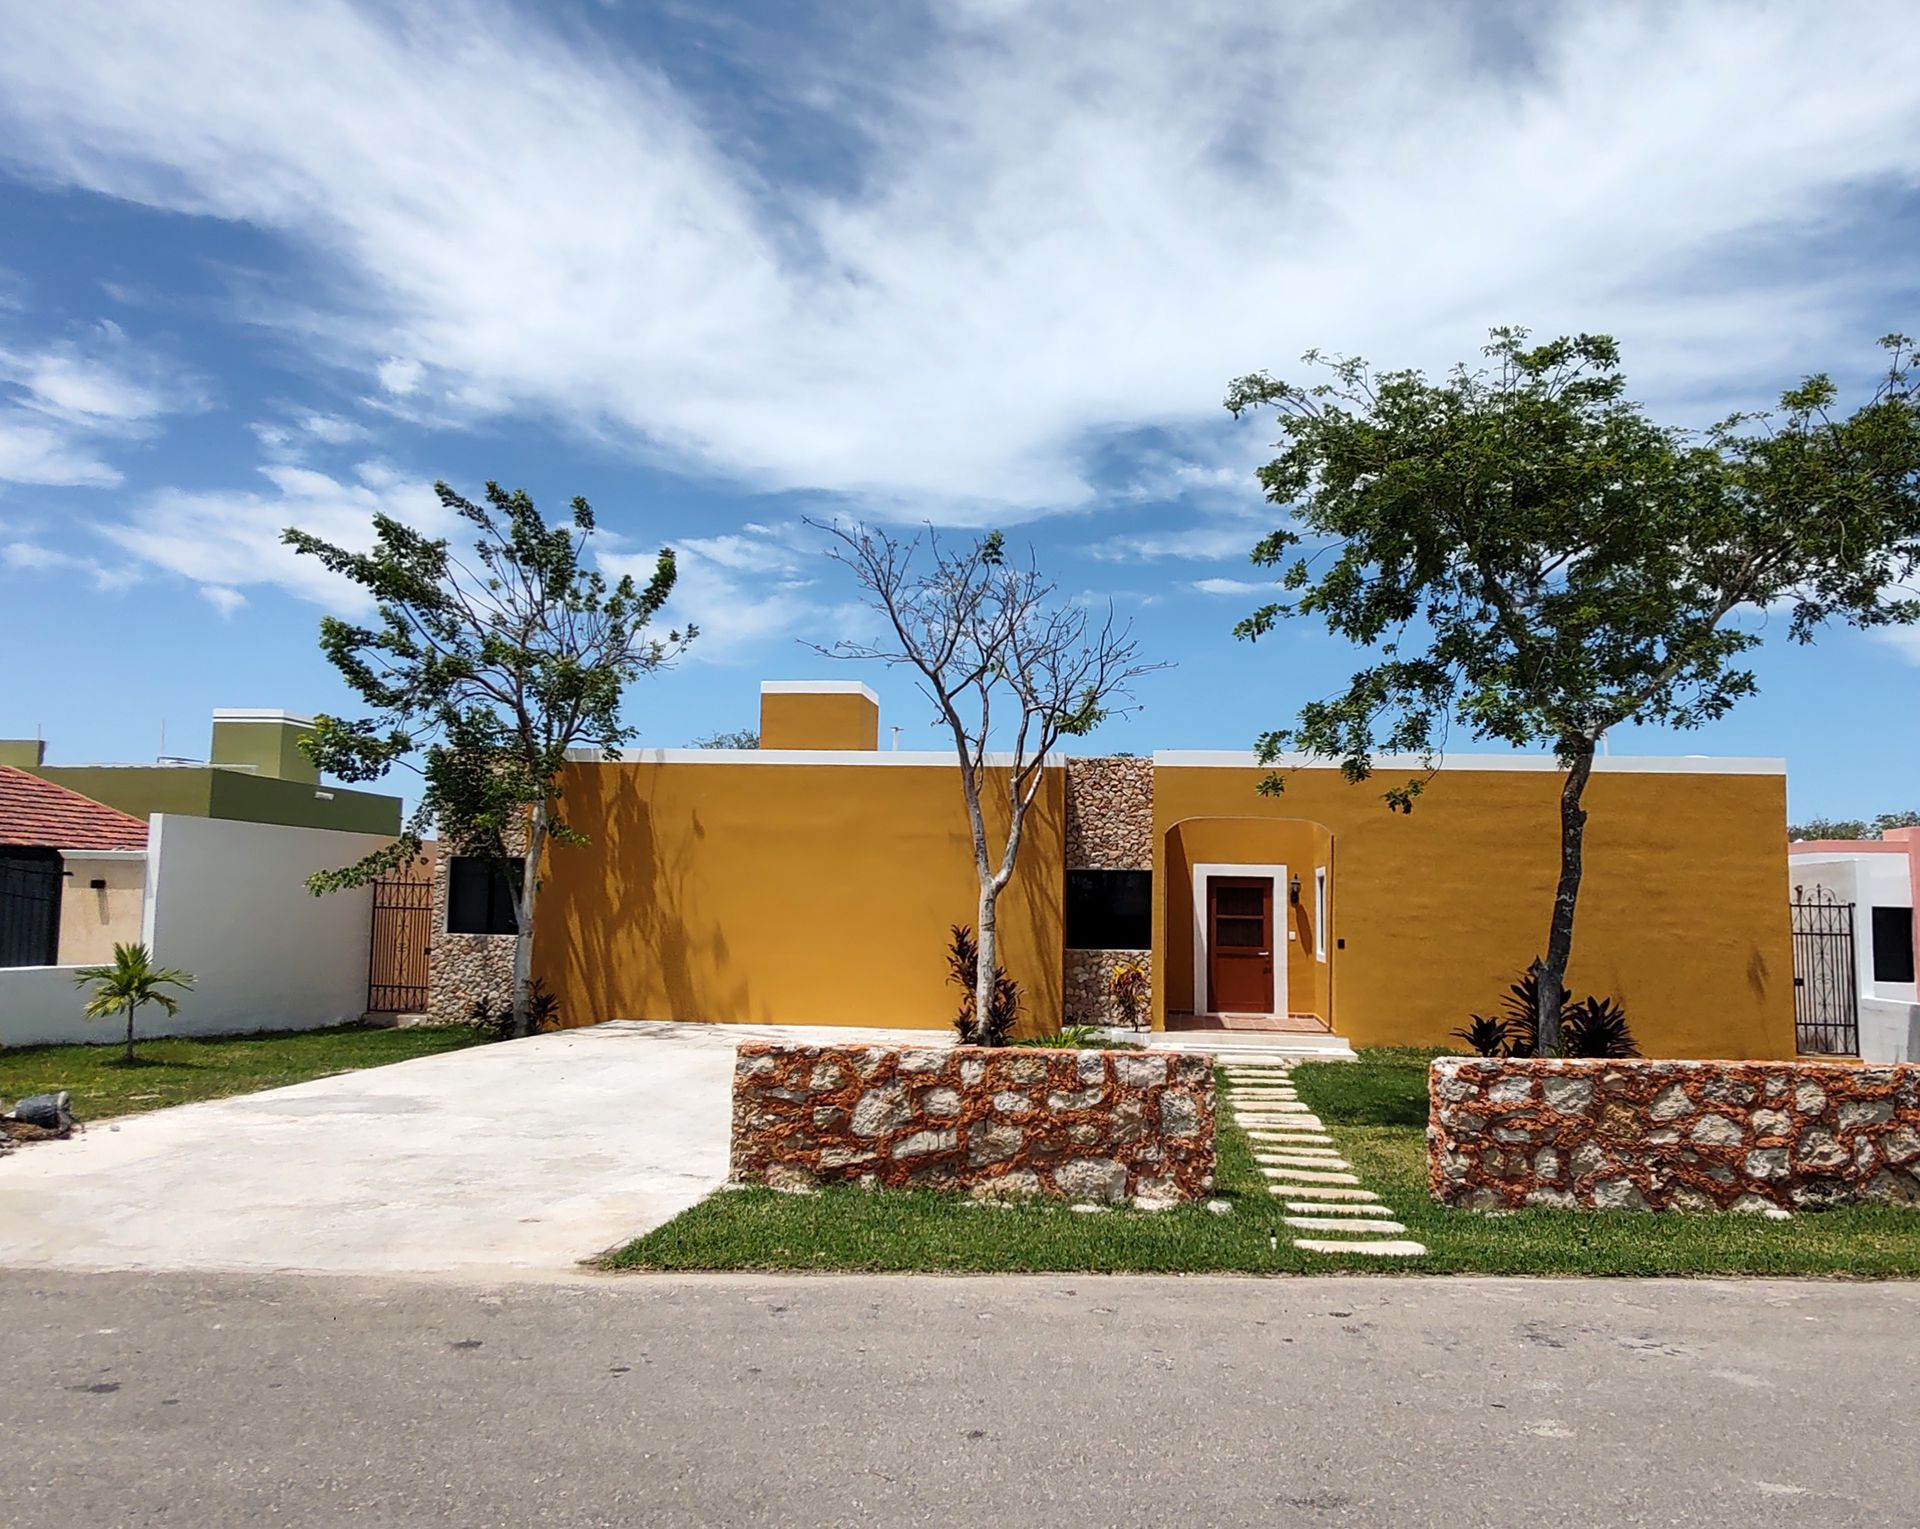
<point>1326,1207</point>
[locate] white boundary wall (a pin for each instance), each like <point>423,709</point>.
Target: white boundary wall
<point>228,902</point>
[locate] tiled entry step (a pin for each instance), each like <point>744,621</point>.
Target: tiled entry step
<point>1327,1208</point>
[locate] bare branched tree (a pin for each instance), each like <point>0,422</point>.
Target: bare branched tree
<point>1002,659</point>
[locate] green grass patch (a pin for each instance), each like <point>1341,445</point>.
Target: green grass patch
<point>181,1070</point>
<point>1376,1111</point>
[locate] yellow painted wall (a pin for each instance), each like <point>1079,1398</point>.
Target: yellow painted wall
<point>1683,913</point>
<point>785,894</point>
<point>818,720</point>
<point>93,921</point>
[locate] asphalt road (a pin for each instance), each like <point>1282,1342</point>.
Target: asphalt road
<point>213,1400</point>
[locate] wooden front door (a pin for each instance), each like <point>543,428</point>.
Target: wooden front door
<point>1239,945</point>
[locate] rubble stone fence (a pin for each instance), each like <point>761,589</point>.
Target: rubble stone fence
<point>1086,1126</point>
<point>1659,1135</point>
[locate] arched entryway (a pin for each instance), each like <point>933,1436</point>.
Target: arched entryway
<point>1246,924</point>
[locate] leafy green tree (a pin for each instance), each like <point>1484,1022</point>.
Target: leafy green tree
<point>745,738</point>
<point>1527,554</point>
<point>480,674</point>
<point>1851,828</point>
<point>1000,658</point>
<point>128,986</point>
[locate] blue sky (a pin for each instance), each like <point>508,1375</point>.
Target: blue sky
<point>979,264</point>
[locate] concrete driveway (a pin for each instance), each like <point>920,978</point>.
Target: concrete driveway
<point>516,1159</point>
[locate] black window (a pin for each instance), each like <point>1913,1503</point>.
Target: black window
<point>30,884</point>
<point>1893,944</point>
<point>480,895</point>
<point>1109,910</point>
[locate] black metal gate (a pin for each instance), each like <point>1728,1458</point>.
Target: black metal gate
<point>402,933</point>
<point>1826,995</point>
<point>30,908</point>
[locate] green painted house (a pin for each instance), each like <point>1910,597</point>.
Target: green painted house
<point>255,772</point>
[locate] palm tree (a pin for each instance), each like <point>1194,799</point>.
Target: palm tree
<point>131,982</point>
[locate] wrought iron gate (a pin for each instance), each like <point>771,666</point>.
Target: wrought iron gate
<point>1826,997</point>
<point>402,934</point>
<point>30,885</point>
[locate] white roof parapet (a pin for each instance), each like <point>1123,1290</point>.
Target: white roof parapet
<point>259,714</point>
<point>1612,764</point>
<point>917,758</point>
<point>818,687</point>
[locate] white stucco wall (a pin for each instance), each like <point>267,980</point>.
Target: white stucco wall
<point>1868,881</point>
<point>228,902</point>
<point>1889,1030</point>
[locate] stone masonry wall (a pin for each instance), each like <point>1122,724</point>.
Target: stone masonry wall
<point>1086,1126</point>
<point>1687,1136</point>
<point>1109,828</point>
<point>464,968</point>
<point>1109,814</point>
<point>1089,995</point>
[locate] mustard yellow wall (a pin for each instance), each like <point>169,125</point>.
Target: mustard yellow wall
<point>1683,911</point>
<point>785,894</point>
<point>830,720</point>
<point>1298,845</point>
<point>93,921</point>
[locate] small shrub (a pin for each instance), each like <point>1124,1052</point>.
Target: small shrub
<point>1589,1027</point>
<point>1072,1038</point>
<point>963,965</point>
<point>1130,987</point>
<point>1597,1027</point>
<point>1485,1036</point>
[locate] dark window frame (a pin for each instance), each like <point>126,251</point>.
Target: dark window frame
<point>1892,944</point>
<point>1109,910</point>
<point>473,879</point>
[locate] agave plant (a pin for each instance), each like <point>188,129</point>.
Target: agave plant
<point>129,985</point>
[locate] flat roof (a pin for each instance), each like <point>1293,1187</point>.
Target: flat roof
<point>259,714</point>
<point>817,687</point>
<point>1611,764</point>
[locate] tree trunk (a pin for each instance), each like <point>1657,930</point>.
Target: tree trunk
<point>523,921</point>
<point>989,947</point>
<point>129,1056</point>
<point>1550,973</point>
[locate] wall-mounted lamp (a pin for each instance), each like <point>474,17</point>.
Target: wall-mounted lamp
<point>1293,891</point>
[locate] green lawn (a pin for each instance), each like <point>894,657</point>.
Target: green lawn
<point>1376,1111</point>
<point>179,1071</point>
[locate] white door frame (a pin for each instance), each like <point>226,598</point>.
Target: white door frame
<point>1202,935</point>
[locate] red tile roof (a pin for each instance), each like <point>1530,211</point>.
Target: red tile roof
<point>37,812</point>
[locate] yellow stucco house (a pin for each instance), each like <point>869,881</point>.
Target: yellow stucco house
<point>813,881</point>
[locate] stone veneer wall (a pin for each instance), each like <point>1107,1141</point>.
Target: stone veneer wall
<point>1089,994</point>
<point>1099,1126</point>
<point>1689,1136</point>
<point>462,968</point>
<point>1109,828</point>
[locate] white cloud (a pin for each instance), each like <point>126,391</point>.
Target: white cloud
<point>29,556</point>
<point>400,376</point>
<point>1230,587</point>
<point>294,435</point>
<point>1047,229</point>
<point>63,401</point>
<point>228,539</point>
<point>226,601</point>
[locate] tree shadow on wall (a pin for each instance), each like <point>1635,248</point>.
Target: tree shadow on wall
<point>629,947</point>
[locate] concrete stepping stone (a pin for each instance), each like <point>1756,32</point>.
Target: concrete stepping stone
<point>1311,1175</point>
<point>1335,1208</point>
<point>1324,1192</point>
<point>1299,1146</point>
<point>1370,1249</point>
<point>1280,1122</point>
<point>1275,1141</point>
<point>1288,1160</point>
<point>1336,1224</point>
